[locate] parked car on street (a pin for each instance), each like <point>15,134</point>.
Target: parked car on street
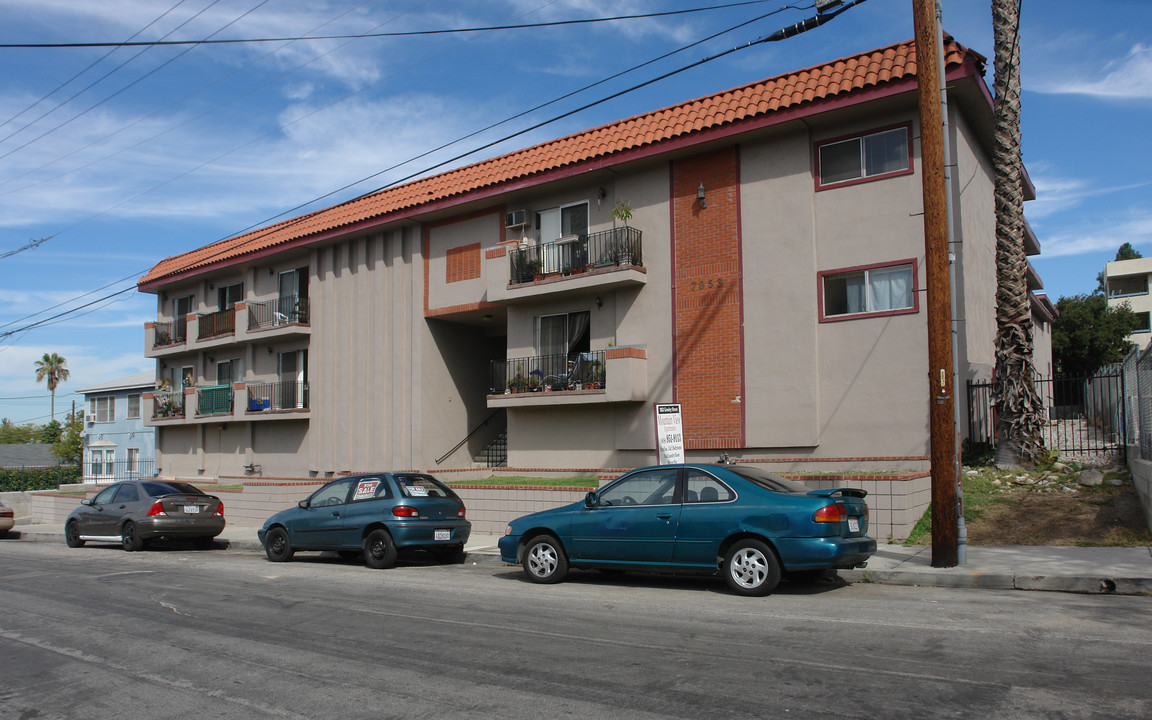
<point>136,512</point>
<point>750,525</point>
<point>7,519</point>
<point>374,516</point>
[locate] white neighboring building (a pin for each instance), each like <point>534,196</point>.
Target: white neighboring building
<point>1126,282</point>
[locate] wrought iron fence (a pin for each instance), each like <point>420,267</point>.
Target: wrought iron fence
<point>217,323</point>
<point>617,246</point>
<point>284,310</point>
<point>1084,417</point>
<point>25,478</point>
<point>98,470</point>
<point>166,334</point>
<point>287,395</point>
<point>549,373</point>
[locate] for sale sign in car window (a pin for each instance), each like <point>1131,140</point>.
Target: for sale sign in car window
<point>669,433</point>
<point>366,489</point>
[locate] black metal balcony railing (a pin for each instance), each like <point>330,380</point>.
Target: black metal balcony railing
<point>217,323</point>
<point>280,311</point>
<point>549,373</point>
<point>168,404</point>
<point>214,400</point>
<point>617,246</point>
<point>166,334</point>
<point>277,396</point>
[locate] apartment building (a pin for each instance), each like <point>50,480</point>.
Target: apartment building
<point>117,445</point>
<point>756,255</point>
<point>1126,283</point>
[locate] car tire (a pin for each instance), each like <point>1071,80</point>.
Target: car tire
<point>751,568</point>
<point>379,550</point>
<point>130,538</point>
<point>72,535</point>
<point>453,555</point>
<point>277,546</point>
<point>544,560</point>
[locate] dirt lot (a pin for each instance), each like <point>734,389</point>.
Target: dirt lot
<point>1009,508</point>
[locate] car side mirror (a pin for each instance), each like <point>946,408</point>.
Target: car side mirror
<point>591,501</point>
<point>303,503</point>
<point>87,501</point>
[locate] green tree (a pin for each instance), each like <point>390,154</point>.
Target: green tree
<point>69,449</point>
<point>1125,252</point>
<point>1089,335</point>
<point>55,369</point>
<point>50,433</point>
<point>12,433</point>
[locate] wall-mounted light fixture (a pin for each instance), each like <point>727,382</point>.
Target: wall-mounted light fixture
<point>487,318</point>
<point>700,196</point>
<point>211,286</point>
<point>599,302</point>
<point>271,271</point>
<point>269,349</point>
<point>164,296</point>
<point>600,195</point>
<point>211,359</point>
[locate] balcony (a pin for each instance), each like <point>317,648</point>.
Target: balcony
<point>215,324</point>
<point>286,310</point>
<point>214,400</point>
<point>167,333</point>
<point>616,374</point>
<point>276,396</point>
<point>618,247</point>
<point>167,405</point>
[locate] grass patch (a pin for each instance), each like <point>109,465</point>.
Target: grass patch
<point>517,480</point>
<point>984,487</point>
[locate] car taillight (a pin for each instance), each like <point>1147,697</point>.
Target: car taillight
<point>156,509</point>
<point>405,511</point>
<point>461,511</point>
<point>830,513</point>
<point>219,511</point>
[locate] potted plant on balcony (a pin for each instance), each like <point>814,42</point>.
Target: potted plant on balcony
<point>535,379</point>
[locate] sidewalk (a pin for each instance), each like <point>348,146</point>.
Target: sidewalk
<point>1122,571</point>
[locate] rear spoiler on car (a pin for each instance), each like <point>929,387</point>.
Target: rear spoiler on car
<point>839,492</point>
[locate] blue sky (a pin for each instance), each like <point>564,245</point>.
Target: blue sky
<point>123,157</point>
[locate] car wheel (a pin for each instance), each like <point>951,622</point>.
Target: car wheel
<point>453,555</point>
<point>544,560</point>
<point>751,568</point>
<point>72,535</point>
<point>276,545</point>
<point>379,552</point>
<point>130,540</point>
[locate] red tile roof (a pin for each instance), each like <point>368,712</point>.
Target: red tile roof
<point>756,100</point>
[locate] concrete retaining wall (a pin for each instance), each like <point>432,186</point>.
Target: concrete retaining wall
<point>1142,478</point>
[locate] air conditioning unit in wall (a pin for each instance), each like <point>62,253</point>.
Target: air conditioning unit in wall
<point>91,419</point>
<point>516,218</point>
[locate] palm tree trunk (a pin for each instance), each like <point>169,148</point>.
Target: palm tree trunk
<point>1014,393</point>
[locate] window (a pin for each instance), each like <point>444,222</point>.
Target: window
<point>105,495</point>
<point>229,295</point>
<point>1124,286</point>
<point>102,463</point>
<point>229,371</point>
<point>867,157</point>
<point>1142,323</point>
<point>873,290</point>
<point>371,488</point>
<point>133,461</point>
<point>181,309</point>
<point>133,406</point>
<point>332,494</point>
<point>127,493</point>
<point>422,486</point>
<point>648,488</point>
<point>702,487</point>
<point>104,408</point>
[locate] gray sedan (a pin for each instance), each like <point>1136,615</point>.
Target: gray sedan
<point>134,512</point>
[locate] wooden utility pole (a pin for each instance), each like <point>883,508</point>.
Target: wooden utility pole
<point>940,379</point>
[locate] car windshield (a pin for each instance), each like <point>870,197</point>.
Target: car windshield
<point>770,481</point>
<point>156,489</point>
<point>422,486</point>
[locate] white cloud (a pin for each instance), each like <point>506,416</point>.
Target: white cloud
<point>1125,79</point>
<point>1103,234</point>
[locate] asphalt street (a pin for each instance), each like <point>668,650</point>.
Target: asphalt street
<point>176,633</point>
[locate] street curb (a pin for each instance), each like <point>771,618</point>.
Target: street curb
<point>1002,581</point>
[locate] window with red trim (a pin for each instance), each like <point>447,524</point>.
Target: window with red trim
<point>885,289</point>
<point>870,156</point>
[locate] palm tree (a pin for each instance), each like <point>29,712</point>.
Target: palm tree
<point>55,368</point>
<point>1018,405</point>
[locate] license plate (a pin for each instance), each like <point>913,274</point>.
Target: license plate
<point>443,535</point>
<point>853,524</point>
<point>191,509</point>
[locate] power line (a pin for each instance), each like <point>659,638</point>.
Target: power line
<point>782,34</point>
<point>408,33</point>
